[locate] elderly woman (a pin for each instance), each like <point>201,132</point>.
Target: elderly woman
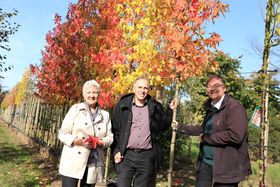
<point>85,132</point>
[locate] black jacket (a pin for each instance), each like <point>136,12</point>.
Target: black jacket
<point>122,119</point>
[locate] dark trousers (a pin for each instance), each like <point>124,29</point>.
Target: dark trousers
<point>137,167</point>
<point>204,178</point>
<point>73,182</point>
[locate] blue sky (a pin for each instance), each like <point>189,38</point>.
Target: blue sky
<point>243,24</point>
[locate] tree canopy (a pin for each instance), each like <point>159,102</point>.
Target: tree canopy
<point>116,41</point>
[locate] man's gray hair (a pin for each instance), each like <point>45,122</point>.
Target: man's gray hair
<point>91,83</point>
<point>139,78</point>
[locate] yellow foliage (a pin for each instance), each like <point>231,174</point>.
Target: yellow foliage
<point>162,41</point>
<point>23,87</point>
<point>9,99</point>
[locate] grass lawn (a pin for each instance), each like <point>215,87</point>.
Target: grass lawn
<point>272,176</point>
<point>17,166</point>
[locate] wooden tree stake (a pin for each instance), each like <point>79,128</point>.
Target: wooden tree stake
<point>173,139</point>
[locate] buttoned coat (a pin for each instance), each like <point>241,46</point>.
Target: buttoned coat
<point>77,124</point>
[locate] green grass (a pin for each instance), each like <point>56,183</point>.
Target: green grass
<point>273,174</point>
<point>17,167</point>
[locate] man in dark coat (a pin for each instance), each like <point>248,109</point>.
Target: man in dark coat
<point>223,159</point>
<point>137,123</point>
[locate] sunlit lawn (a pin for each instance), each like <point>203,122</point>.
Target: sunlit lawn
<point>17,168</point>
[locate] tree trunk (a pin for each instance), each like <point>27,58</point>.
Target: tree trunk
<point>173,139</point>
<point>265,79</point>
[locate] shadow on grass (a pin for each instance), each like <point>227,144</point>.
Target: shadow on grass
<point>28,155</point>
<point>12,153</point>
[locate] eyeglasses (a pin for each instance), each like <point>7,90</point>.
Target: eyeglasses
<point>215,86</point>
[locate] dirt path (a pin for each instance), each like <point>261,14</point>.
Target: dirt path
<point>48,166</point>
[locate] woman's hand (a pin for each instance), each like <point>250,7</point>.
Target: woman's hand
<point>101,143</point>
<point>80,142</point>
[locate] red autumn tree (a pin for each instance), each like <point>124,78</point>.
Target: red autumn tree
<point>116,41</point>
<point>78,50</point>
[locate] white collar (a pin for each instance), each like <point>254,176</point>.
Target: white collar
<point>219,103</point>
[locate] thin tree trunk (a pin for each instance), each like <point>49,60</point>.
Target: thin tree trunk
<point>107,162</point>
<point>265,79</point>
<point>173,139</point>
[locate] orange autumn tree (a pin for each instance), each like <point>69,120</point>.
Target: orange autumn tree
<point>116,41</point>
<point>19,93</point>
<point>187,50</point>
<point>164,39</point>
<point>137,22</point>
<point>9,99</point>
<point>76,51</point>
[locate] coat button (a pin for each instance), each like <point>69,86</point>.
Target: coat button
<point>99,128</point>
<point>85,123</point>
<point>79,152</point>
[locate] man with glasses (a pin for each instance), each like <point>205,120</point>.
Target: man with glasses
<point>223,158</point>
